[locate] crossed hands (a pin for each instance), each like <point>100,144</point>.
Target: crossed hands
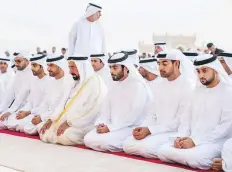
<point>184,143</point>
<point>102,128</point>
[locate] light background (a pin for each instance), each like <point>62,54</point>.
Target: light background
<point>26,24</point>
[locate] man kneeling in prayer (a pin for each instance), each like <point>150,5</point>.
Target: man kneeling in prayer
<point>38,88</point>
<point>205,129</point>
<point>75,114</point>
<point>171,100</point>
<point>123,109</point>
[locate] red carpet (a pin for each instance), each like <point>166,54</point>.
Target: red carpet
<point>118,153</point>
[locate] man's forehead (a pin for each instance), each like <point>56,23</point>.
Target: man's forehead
<point>141,67</point>
<point>51,64</point>
<point>72,63</point>
<point>204,68</point>
<point>220,58</point>
<point>34,63</point>
<point>164,60</point>
<point>19,58</point>
<point>95,58</point>
<point>115,65</point>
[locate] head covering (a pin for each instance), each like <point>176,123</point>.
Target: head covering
<point>5,60</point>
<point>227,57</point>
<point>211,61</point>
<point>162,45</point>
<point>40,59</point>
<point>23,54</point>
<point>150,65</point>
<point>190,55</point>
<point>186,66</point>
<point>59,61</point>
<point>92,9</point>
<point>84,67</point>
<point>132,55</point>
<point>123,59</point>
<point>102,57</point>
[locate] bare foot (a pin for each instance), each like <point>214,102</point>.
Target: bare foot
<point>217,164</point>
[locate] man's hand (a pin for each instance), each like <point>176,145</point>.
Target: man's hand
<point>36,120</point>
<point>102,128</point>
<point>140,133</point>
<point>177,143</point>
<point>217,164</point>
<point>46,126</point>
<point>22,114</point>
<point>187,143</point>
<point>62,128</point>
<point>5,116</point>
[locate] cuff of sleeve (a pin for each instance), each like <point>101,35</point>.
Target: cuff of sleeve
<point>8,110</point>
<point>99,122</point>
<point>112,127</point>
<point>152,130</point>
<point>196,141</point>
<point>45,118</point>
<point>70,123</point>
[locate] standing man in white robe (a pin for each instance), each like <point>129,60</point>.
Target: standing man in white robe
<point>123,109</point>
<point>87,34</point>
<point>206,127</point>
<point>170,104</point>
<point>6,75</point>
<point>100,66</point>
<point>37,93</point>
<point>226,61</point>
<point>20,88</point>
<point>75,115</point>
<point>59,83</point>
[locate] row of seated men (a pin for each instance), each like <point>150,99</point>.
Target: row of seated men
<point>168,108</point>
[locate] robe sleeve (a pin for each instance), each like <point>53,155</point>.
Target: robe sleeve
<point>136,102</point>
<point>60,101</point>
<point>150,119</point>
<point>20,98</point>
<point>43,105</point>
<point>29,102</point>
<point>7,99</point>
<point>104,118</point>
<point>183,110</point>
<point>87,107</point>
<point>72,39</point>
<point>53,115</point>
<point>223,128</point>
<point>43,109</point>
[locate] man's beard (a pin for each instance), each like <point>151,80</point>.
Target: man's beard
<point>52,74</point>
<point>166,75</point>
<point>21,68</point>
<point>117,77</point>
<point>75,77</point>
<point>207,82</point>
<point>2,70</point>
